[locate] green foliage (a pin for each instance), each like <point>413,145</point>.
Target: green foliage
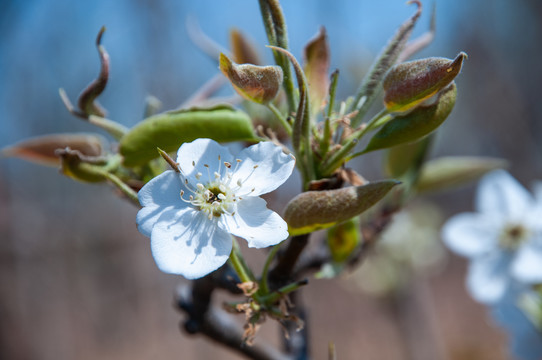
<point>418,123</point>
<point>169,130</point>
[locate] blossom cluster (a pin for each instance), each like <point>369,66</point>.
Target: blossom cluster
<point>503,242</point>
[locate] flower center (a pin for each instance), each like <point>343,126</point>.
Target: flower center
<point>512,236</point>
<point>216,196</point>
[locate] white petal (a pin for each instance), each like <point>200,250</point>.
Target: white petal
<point>470,234</point>
<point>273,168</point>
<point>159,194</point>
<point>163,190</point>
<point>527,265</point>
<point>488,277</point>
<point>193,156</point>
<point>257,224</point>
<point>189,244</point>
<point>503,196</point>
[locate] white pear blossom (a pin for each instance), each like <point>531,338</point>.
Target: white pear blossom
<point>503,240</point>
<point>190,215</point>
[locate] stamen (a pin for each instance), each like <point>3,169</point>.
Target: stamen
<point>227,164</point>
<point>198,175</point>
<point>193,163</point>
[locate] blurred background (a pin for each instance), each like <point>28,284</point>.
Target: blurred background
<point>77,281</point>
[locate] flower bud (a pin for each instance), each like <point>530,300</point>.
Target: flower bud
<point>260,84</point>
<point>315,210</point>
<point>343,239</point>
<point>408,84</point>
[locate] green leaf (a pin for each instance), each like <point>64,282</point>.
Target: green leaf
<point>418,123</point>
<point>169,130</point>
<point>343,239</point>
<point>315,210</point>
<point>405,158</point>
<point>408,84</point>
<point>42,149</point>
<point>448,172</point>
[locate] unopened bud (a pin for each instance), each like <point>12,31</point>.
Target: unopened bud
<point>408,84</point>
<point>260,84</point>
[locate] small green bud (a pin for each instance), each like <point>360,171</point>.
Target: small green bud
<point>260,84</point>
<point>315,210</point>
<point>343,239</point>
<point>408,84</point>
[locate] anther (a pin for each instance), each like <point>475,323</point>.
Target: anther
<point>227,164</point>
<point>193,163</point>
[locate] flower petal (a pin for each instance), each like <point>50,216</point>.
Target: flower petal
<point>501,195</point>
<point>264,167</point>
<point>189,244</point>
<point>527,265</point>
<point>488,277</point>
<point>470,234</point>
<point>193,156</point>
<point>257,224</point>
<point>159,194</point>
<point>163,190</point>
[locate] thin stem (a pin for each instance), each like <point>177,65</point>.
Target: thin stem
<point>126,190</point>
<point>276,295</point>
<point>285,124</point>
<point>239,265</point>
<point>339,157</point>
<point>332,91</point>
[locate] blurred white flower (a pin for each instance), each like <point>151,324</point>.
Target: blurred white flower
<point>189,215</point>
<point>503,239</point>
<point>525,339</point>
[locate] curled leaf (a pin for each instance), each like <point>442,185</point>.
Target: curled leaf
<point>408,84</point>
<point>169,130</point>
<point>315,210</point>
<point>317,57</point>
<point>41,149</point>
<point>81,167</point>
<point>243,50</point>
<point>416,124</point>
<point>86,102</point>
<point>260,84</point>
<point>448,172</point>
